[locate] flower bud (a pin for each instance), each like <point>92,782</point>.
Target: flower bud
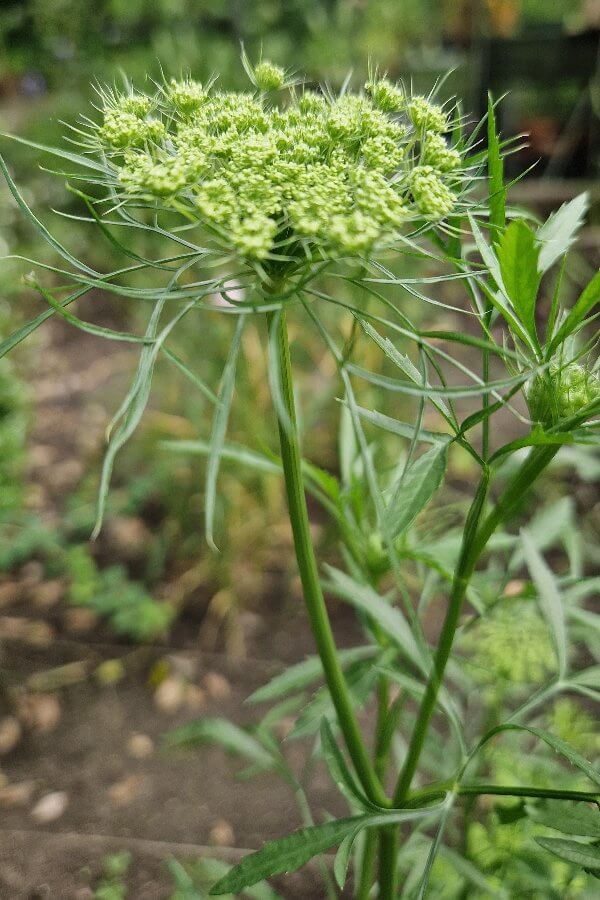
<point>268,77</point>
<point>561,392</point>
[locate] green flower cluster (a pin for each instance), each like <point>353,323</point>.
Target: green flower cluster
<point>511,645</point>
<point>316,176</point>
<point>561,392</point>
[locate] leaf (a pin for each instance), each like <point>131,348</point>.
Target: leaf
<point>403,429</point>
<point>219,731</point>
<point>285,855</point>
<point>588,298</point>
<point>558,232</point>
<point>556,744</point>
<point>518,257</point>
<point>232,452</point>
<point>585,855</point>
<point>496,189</point>
<point>549,597</point>
<point>275,373</point>
<point>219,429</point>
<point>579,819</point>
<point>342,859</point>
<point>415,488</point>
<point>388,617</point>
<point>434,849</point>
<point>21,333</point>
<point>293,851</point>
<point>303,674</point>
<point>339,771</point>
<point>85,161</point>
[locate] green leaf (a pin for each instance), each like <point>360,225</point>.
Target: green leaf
<point>549,597</point>
<point>415,488</point>
<point>403,429</point>
<point>556,744</point>
<point>589,297</point>
<point>21,333</point>
<point>518,255</point>
<point>219,430</point>
<point>389,618</point>
<point>496,189</point>
<point>585,855</point>
<point>290,853</point>
<point>342,858</point>
<point>286,854</point>
<point>558,232</point>
<point>231,452</point>
<point>339,771</point>
<point>86,161</point>
<point>303,674</point>
<point>579,819</point>
<point>219,731</point>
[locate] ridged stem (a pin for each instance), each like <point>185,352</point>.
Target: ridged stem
<point>309,576</point>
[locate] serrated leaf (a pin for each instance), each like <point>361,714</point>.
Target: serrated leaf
<point>222,732</point>
<point>518,255</point>
<point>579,819</point>
<point>496,189</point>
<point>549,597</point>
<point>588,299</point>
<point>558,232</point>
<point>293,851</point>
<point>415,489</point>
<point>556,744</point>
<point>585,855</point>
<point>389,618</point>
<point>303,674</point>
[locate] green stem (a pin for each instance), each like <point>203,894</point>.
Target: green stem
<point>313,594</point>
<point>367,866</point>
<point>388,863</point>
<point>475,538</point>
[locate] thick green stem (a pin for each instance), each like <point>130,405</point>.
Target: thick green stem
<point>475,538</point>
<point>388,863</point>
<point>313,594</point>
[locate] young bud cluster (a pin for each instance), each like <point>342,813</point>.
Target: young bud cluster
<point>314,177</point>
<point>561,392</point>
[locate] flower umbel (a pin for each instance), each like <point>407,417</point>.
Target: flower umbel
<point>313,177</point>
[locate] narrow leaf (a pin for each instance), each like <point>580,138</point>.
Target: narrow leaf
<point>588,299</point>
<point>389,618</point>
<point>585,855</point>
<point>415,488</point>
<point>219,430</point>
<point>549,597</point>
<point>303,674</point>
<point>559,746</point>
<point>496,189</point>
<point>219,731</point>
<point>579,819</point>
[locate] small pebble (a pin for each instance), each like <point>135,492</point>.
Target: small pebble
<point>18,794</point>
<point>40,712</point>
<point>10,734</point>
<point>140,746</point>
<point>195,698</point>
<point>221,834</point>
<point>217,686</point>
<point>50,807</point>
<point>79,620</point>
<point>125,791</point>
<point>169,696</point>
<point>48,594</point>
